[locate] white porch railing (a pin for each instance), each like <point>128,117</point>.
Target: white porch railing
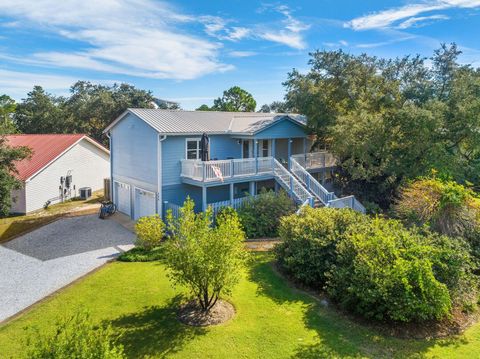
<point>315,160</point>
<point>206,171</point>
<point>347,202</point>
<point>235,204</point>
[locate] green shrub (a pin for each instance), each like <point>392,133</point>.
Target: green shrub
<point>260,216</point>
<point>206,259</point>
<point>445,206</point>
<point>453,265</point>
<point>385,271</point>
<point>150,231</point>
<point>73,337</point>
<point>141,254</point>
<point>309,240</point>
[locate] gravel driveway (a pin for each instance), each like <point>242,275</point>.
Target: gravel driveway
<point>45,260</point>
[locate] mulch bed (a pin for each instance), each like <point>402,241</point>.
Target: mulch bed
<point>192,314</point>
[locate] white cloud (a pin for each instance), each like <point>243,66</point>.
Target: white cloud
<point>291,32</point>
<point>421,21</point>
<point>341,43</point>
<point>139,37</point>
<point>17,83</point>
<point>242,53</point>
<point>384,43</point>
<point>387,18</point>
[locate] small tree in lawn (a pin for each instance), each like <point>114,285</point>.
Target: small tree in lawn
<point>205,258</point>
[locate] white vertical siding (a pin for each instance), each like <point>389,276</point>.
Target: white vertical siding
<point>89,166</point>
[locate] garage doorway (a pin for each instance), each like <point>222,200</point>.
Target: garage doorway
<point>145,203</point>
<point>123,198</point>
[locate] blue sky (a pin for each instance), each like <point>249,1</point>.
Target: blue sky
<point>190,51</point>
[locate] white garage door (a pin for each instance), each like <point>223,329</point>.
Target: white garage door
<point>144,203</point>
<point>122,191</point>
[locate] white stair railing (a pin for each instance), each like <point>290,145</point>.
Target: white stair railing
<point>299,193</point>
<point>310,182</point>
<point>329,199</point>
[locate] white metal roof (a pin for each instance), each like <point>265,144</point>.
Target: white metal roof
<point>179,122</point>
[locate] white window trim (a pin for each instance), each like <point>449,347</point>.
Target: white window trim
<point>197,139</point>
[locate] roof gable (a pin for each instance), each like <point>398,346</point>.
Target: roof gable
<point>45,149</point>
<point>175,122</point>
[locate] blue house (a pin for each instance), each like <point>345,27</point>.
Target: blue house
<point>156,160</point>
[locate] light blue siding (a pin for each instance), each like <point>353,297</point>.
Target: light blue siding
<point>282,129</point>
<point>134,149</point>
<point>223,146</point>
<point>178,193</point>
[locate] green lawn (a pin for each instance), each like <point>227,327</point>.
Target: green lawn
<point>272,320</point>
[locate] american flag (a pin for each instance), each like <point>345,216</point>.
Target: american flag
<point>218,172</point>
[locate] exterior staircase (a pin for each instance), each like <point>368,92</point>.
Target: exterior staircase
<point>321,195</point>
<point>292,185</point>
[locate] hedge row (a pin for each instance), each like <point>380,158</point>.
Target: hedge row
<point>376,267</point>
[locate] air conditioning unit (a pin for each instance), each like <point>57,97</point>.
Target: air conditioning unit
<point>85,192</point>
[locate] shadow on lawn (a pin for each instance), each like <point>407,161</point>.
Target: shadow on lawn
<point>338,337</point>
<point>155,331</point>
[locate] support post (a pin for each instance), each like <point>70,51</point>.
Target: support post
<point>164,212</point>
<point>204,198</point>
<point>203,171</point>
<point>231,193</point>
<point>274,148</point>
<point>255,154</point>
<point>232,168</point>
<point>252,188</point>
<point>291,185</point>
<point>289,153</point>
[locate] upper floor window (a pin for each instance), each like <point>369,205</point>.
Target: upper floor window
<point>193,149</point>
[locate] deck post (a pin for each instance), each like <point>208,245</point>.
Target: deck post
<point>291,185</point>
<point>232,169</point>
<point>305,148</point>
<point>164,212</point>
<point>203,171</point>
<point>289,153</point>
<point>255,154</point>
<point>204,198</point>
<point>231,193</point>
<point>274,148</point>
<point>252,188</point>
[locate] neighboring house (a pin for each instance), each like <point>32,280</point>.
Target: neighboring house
<point>155,160</point>
<point>59,166</point>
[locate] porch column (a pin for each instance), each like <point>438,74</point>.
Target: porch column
<point>273,148</point>
<point>289,152</point>
<point>251,189</point>
<point>231,193</point>
<point>255,154</point>
<point>204,198</point>
<point>305,147</point>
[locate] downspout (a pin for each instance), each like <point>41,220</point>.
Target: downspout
<point>110,141</point>
<point>161,138</point>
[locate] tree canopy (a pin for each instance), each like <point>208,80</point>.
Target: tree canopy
<point>235,99</point>
<point>88,109</point>
<point>8,182</point>
<point>390,120</point>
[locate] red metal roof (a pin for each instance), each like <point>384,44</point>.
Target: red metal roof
<point>45,148</point>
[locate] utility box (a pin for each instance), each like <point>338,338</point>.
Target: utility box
<point>85,192</point>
